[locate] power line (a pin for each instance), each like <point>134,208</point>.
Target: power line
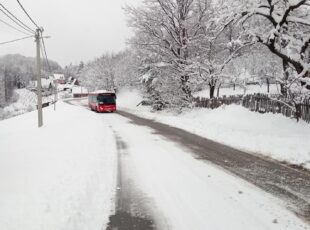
<point>16,22</point>
<point>44,49</point>
<point>28,14</point>
<point>15,19</point>
<point>44,55</point>
<point>19,39</point>
<point>13,27</point>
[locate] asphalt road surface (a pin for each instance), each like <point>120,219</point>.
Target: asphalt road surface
<point>131,212</point>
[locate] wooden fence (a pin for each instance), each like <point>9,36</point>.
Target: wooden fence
<point>259,103</point>
<point>80,95</point>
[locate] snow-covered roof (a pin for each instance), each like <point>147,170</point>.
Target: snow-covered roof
<point>103,91</point>
<point>59,76</point>
<point>79,89</point>
<point>44,82</point>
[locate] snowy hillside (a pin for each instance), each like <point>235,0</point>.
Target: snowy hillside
<point>26,102</point>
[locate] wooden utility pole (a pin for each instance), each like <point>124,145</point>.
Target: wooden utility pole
<point>39,86</point>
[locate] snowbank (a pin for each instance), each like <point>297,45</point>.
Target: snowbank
<point>61,176</point>
<point>271,135</point>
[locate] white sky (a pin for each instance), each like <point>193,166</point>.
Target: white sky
<point>80,29</point>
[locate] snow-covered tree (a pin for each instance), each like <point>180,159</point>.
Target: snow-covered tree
<point>71,71</point>
<point>110,71</point>
<point>283,27</point>
<point>170,30</point>
<point>220,44</point>
<point>126,69</point>
<point>192,36</point>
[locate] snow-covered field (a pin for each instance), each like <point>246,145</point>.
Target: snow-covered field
<point>250,89</point>
<point>271,135</point>
<point>61,176</point>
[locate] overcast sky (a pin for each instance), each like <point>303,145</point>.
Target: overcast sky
<point>80,30</point>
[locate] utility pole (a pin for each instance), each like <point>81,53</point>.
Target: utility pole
<point>56,95</point>
<point>39,86</point>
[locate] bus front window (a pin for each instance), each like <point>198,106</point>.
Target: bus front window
<point>106,99</point>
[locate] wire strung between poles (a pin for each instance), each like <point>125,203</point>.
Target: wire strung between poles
<point>15,40</point>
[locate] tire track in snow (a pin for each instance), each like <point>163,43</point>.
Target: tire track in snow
<point>130,213</point>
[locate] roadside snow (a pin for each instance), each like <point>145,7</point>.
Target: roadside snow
<point>62,176</point>
<point>271,135</point>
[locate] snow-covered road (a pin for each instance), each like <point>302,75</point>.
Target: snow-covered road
<point>184,193</point>
<point>89,167</point>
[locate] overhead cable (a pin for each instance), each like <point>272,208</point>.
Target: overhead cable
<point>15,19</point>
<point>13,27</point>
<point>45,55</point>
<point>28,14</point>
<point>15,40</point>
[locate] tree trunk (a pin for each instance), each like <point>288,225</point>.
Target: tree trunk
<point>212,89</point>
<point>298,111</point>
<point>283,87</point>
<point>218,90</point>
<point>268,85</point>
<point>185,88</point>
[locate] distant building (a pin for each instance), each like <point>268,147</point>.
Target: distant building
<point>72,81</point>
<point>45,83</point>
<point>79,91</point>
<point>59,78</point>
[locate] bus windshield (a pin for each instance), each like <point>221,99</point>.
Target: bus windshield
<point>106,99</point>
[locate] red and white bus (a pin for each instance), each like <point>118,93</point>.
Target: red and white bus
<point>102,101</point>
